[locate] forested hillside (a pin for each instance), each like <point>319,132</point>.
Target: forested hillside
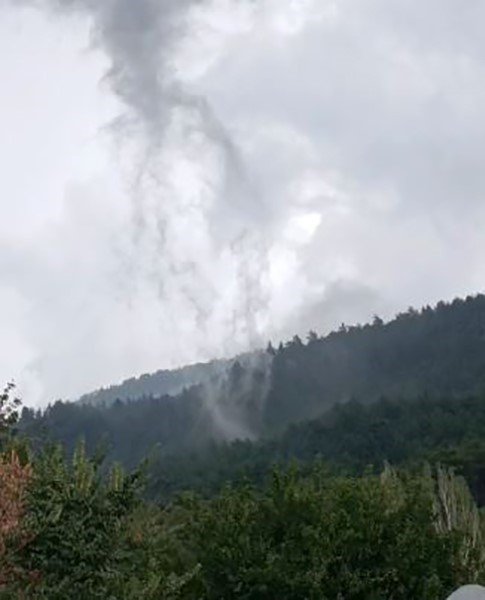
<point>338,467</point>
<point>350,438</point>
<point>438,351</point>
<point>430,353</point>
<point>161,383</point>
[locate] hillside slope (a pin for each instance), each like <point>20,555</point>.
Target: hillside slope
<point>161,383</point>
<point>438,351</point>
<point>433,352</point>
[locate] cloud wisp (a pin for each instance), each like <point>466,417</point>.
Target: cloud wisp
<point>280,166</point>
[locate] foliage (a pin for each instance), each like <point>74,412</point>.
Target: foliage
<point>87,537</point>
<point>314,537</point>
<point>74,523</point>
<point>307,535</point>
<point>9,410</point>
<point>350,438</point>
<point>14,479</point>
<point>333,525</point>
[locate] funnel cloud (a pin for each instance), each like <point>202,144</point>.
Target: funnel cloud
<point>238,171</point>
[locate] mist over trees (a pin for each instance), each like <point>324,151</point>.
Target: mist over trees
<point>432,353</point>
<point>346,466</point>
<point>181,177</point>
<point>161,383</point>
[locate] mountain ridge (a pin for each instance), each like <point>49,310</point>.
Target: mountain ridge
<point>436,351</point>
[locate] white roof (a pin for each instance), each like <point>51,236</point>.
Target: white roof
<point>469,592</point>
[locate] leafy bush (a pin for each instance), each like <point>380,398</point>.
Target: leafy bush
<point>321,538</point>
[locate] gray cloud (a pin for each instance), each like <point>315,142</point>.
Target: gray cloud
<point>287,166</point>
<point>138,38</point>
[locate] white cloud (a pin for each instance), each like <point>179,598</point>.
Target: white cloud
<point>280,165</point>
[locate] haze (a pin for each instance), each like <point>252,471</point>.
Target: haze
<point>182,180</point>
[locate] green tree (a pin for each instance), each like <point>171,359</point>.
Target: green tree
<point>322,538</point>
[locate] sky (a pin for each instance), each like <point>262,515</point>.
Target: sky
<point>187,179</point>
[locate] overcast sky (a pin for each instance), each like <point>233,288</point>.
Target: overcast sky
<point>185,179</point>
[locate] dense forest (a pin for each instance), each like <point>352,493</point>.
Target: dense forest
<point>69,531</point>
<point>351,438</point>
<point>349,466</point>
<point>440,349</point>
<point>432,353</point>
